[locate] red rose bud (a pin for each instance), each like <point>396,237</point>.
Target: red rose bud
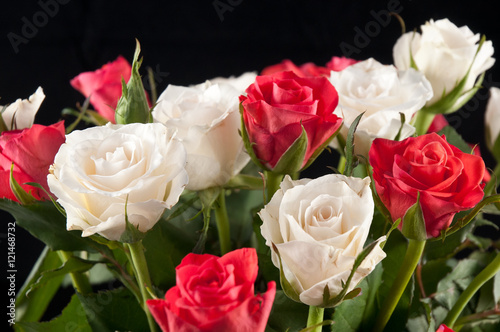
<point>215,294</point>
<point>288,120</point>
<point>104,86</point>
<point>32,151</point>
<point>447,179</point>
<point>444,328</point>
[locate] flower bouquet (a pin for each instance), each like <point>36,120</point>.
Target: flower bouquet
<point>189,211</point>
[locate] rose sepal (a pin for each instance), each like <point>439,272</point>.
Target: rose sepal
<point>24,197</point>
<point>448,102</point>
<point>291,161</point>
<point>132,234</point>
<point>3,125</point>
<point>133,106</point>
<point>330,302</point>
<point>246,142</point>
<point>285,284</point>
<point>349,147</point>
<point>414,223</point>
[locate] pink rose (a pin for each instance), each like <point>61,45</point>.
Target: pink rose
<point>104,86</point>
<point>308,69</point>
<point>215,294</point>
<point>444,328</point>
<point>340,63</point>
<point>32,151</point>
<point>447,179</point>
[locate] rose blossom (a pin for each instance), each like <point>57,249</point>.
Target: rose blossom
<point>278,106</point>
<point>207,121</point>
<point>308,69</point>
<point>215,294</point>
<point>240,83</point>
<point>444,52</point>
<point>32,151</point>
<point>340,63</point>
<point>382,92</point>
<point>104,86</point>
<point>100,171</point>
<point>447,179</point>
<point>21,113</point>
<point>319,227</point>
<point>444,328</point>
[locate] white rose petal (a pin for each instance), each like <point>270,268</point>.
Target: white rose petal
<point>240,83</point>
<point>492,117</point>
<point>207,120</point>
<point>382,92</point>
<point>319,227</point>
<point>21,113</point>
<point>444,52</point>
<point>101,169</point>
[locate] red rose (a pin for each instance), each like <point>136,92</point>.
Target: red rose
<point>215,294</point>
<point>277,106</point>
<point>438,123</point>
<point>340,63</point>
<point>32,151</point>
<point>448,180</point>
<point>308,69</point>
<point>104,86</point>
<point>444,328</point>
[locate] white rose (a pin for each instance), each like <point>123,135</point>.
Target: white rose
<point>240,83</point>
<point>207,120</point>
<point>444,53</point>
<point>382,92</point>
<point>492,118</point>
<point>319,227</point>
<point>100,169</point>
<point>21,113</point>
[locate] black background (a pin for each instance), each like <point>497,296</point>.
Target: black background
<point>187,42</point>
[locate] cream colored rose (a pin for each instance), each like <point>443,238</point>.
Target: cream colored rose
<point>207,120</point>
<point>382,92</point>
<point>492,118</point>
<point>240,83</point>
<point>444,52</point>
<point>319,227</point>
<point>21,113</point>
<point>101,169</point>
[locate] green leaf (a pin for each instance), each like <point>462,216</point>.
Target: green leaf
<point>45,223</point>
<point>73,264</point>
<point>455,139</point>
<point>291,161</point>
<point>32,309</point>
<point>348,316</point>
<point>287,315</point>
<point>243,181</point>
<point>114,310</point>
<point>133,106</point>
<point>403,120</point>
<point>414,223</point>
<point>349,148</point>
<point>71,319</point>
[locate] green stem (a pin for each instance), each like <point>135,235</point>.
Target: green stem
<point>315,317</point>
<point>485,275</point>
<point>80,281</point>
<point>410,261</point>
<point>142,274</point>
<point>341,164</point>
<point>423,121</point>
<point>222,222</point>
<point>273,181</point>
<point>492,184</point>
